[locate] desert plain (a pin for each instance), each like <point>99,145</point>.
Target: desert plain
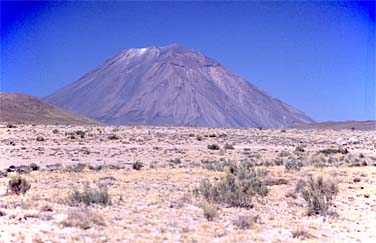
<point>150,176</point>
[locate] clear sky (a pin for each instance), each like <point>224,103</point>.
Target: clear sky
<point>318,57</point>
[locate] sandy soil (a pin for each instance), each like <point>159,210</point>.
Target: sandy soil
<point>157,203</point>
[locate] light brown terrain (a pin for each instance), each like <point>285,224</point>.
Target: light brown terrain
<point>345,125</point>
<point>27,109</point>
<point>159,203</point>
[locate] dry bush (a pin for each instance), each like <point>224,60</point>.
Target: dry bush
<point>245,221</point>
<point>236,189</point>
<point>210,211</point>
<point>89,196</point>
<point>319,194</point>
<point>18,185</point>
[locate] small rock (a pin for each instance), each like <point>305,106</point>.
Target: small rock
<point>366,195</point>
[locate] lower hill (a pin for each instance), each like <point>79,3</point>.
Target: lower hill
<point>351,125</point>
<point>27,109</point>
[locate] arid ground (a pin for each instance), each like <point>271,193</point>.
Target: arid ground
<point>144,184</point>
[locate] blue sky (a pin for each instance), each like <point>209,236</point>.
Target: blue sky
<point>318,57</point>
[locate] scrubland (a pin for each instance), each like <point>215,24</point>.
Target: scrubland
<point>183,184</point>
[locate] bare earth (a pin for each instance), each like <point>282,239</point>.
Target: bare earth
<point>157,203</point>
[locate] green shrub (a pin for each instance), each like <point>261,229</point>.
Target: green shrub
<point>18,185</point>
<point>213,146</point>
<point>236,188</point>
<point>90,196</point>
<point>318,193</point>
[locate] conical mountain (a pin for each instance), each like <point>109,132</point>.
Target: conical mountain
<point>172,85</point>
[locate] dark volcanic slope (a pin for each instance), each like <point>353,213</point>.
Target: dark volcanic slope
<point>21,108</point>
<point>345,125</point>
<point>172,85</point>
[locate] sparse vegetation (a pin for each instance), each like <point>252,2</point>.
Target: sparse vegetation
<point>40,138</point>
<point>75,168</point>
<point>319,194</point>
<point>18,185</point>
<point>89,196</point>
<point>83,218</point>
<point>236,188</point>
<point>293,165</point>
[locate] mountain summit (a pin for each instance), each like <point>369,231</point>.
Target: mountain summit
<point>172,85</point>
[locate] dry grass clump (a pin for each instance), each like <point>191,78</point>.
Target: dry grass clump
<point>210,211</point>
<point>293,165</point>
<point>319,194</point>
<point>245,221</point>
<point>18,185</point>
<point>89,196</point>
<point>83,218</point>
<point>236,188</point>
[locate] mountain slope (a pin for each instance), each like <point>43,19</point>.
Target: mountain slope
<point>172,85</point>
<point>21,108</point>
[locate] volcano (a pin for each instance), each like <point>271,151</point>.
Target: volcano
<point>172,85</point>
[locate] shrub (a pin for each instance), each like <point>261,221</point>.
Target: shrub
<point>228,146</point>
<point>299,148</point>
<point>236,188</point>
<point>34,166</point>
<point>245,221</point>
<point>212,135</point>
<point>80,133</point>
<point>55,131</point>
<point>199,138</point>
<point>217,165</point>
<point>40,139</point>
<point>75,168</point>
<point>210,211</point>
<point>18,185</point>
<point>113,137</point>
<point>293,165</point>
<point>90,196</point>
<point>318,193</point>
<point>137,165</point>
<point>213,146</point>
<point>334,151</point>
